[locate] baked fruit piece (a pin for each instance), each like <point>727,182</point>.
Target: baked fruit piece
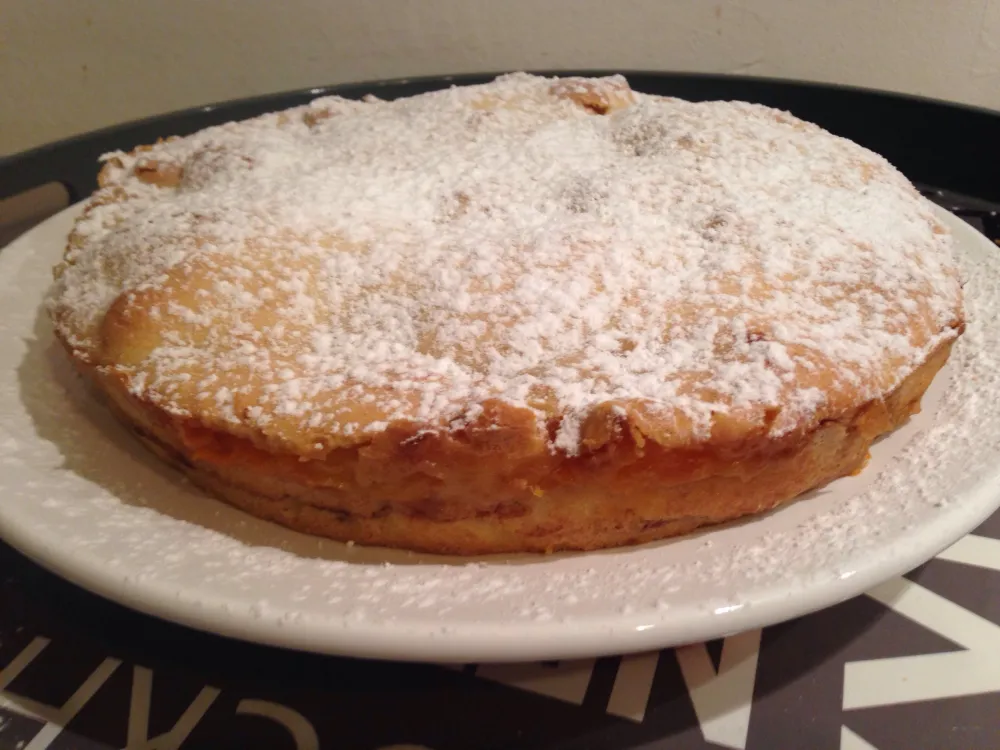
<point>530,315</point>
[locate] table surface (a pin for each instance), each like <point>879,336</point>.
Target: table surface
<point>79,672</point>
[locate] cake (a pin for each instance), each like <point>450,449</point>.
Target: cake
<point>529,315</point>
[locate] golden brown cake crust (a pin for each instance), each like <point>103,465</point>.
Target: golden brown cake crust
<point>625,496</point>
<point>532,315</point>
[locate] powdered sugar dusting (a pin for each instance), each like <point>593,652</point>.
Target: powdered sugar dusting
<point>78,496</point>
<point>502,241</point>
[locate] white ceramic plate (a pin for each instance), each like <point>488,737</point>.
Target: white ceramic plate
<point>80,498</point>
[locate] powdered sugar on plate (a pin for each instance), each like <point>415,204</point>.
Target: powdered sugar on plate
<point>506,241</point>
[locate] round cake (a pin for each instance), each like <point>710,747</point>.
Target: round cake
<point>524,316</point>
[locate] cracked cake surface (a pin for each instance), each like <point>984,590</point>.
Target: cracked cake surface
<point>532,314</point>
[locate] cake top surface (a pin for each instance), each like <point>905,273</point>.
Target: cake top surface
<point>568,248</point>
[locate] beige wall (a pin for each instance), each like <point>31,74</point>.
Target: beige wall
<point>68,66</point>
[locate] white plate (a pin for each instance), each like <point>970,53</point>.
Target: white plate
<point>80,498</point>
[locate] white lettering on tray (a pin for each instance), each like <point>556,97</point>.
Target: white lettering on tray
<point>851,741</point>
<point>138,719</point>
<point>905,679</point>
<point>565,680</point>
<point>633,686</point>
<point>55,718</point>
<point>302,731</point>
<point>722,700</point>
